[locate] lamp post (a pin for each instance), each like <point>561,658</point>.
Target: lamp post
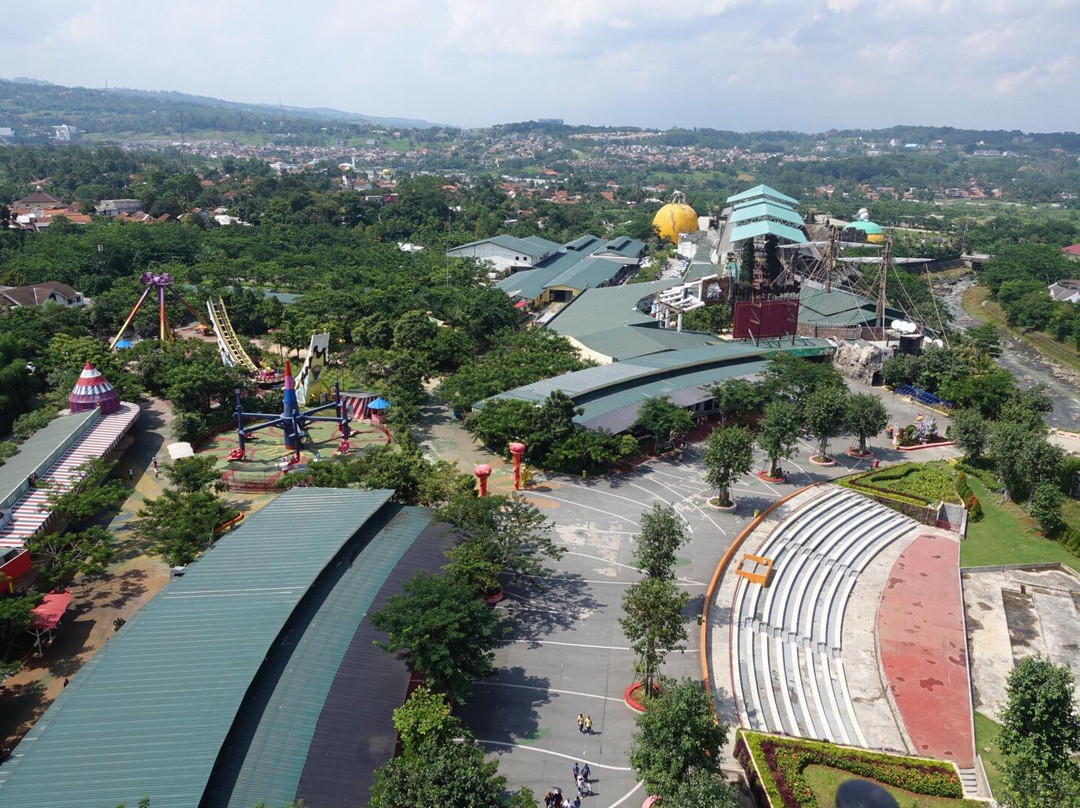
<point>482,472</point>
<point>517,449</point>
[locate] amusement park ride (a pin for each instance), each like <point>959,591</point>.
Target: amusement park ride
<point>293,422</point>
<point>158,282</point>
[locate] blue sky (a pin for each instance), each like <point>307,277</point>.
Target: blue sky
<point>730,64</point>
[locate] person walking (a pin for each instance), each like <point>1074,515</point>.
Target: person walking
<point>586,772</point>
<point>131,474</point>
<point>576,770</point>
<point>580,722</point>
<point>580,786</point>
<point>577,802</point>
<point>588,724</point>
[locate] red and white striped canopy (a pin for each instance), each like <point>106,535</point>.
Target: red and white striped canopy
<point>93,390</point>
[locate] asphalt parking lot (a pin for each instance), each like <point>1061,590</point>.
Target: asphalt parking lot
<point>567,654</point>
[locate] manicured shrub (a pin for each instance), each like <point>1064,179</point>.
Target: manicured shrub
<point>781,762</point>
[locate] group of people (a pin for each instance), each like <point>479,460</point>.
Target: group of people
<point>554,796</point>
<point>584,723</point>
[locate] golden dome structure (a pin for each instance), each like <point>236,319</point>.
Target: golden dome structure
<point>674,218</point>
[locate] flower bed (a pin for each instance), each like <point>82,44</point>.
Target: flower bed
<point>774,767</point>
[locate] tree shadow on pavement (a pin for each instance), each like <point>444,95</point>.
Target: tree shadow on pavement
<point>506,711</point>
<point>532,613</point>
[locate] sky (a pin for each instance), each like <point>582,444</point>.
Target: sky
<point>808,65</point>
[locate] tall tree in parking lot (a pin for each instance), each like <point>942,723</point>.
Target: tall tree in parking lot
<point>447,636</point>
<point>1040,733</point>
<point>663,532</point>
<point>824,414</point>
<point>663,420</point>
<point>729,454</point>
<point>653,623</point>
<point>677,741</point>
<point>778,433</point>
<point>864,417</point>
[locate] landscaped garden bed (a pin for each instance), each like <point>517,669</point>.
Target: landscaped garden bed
<point>775,768</point>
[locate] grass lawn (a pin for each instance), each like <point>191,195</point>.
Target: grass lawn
<point>1007,535</point>
<point>824,781</point>
<point>976,302</point>
<point>986,732</point>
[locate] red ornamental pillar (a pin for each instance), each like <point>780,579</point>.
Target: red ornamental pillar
<point>482,472</point>
<point>517,449</point>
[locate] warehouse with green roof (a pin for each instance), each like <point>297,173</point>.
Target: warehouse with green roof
<point>239,682</point>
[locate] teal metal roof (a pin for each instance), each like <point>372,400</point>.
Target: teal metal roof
<point>872,228</point>
<point>527,284</point>
<point>276,738</point>
<point>40,451</point>
<point>766,210</point>
<point>606,308</point>
<point>544,243</point>
<point>741,232</point>
<point>764,191</point>
<point>840,308</point>
<point>519,245</point>
<point>624,246</point>
<point>587,274</point>
<point>585,244</point>
<point>635,374</point>
<point>149,713</point>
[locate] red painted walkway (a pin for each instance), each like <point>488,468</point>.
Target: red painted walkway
<point>923,650</point>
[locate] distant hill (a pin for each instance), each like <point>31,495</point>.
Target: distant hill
<point>276,110</point>
<point>33,107</point>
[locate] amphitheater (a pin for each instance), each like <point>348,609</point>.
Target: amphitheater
<point>855,635</point>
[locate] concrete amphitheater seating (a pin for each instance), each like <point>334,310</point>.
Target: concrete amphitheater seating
<point>786,646</point>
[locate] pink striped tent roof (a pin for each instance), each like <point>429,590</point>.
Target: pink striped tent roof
<point>93,390</point>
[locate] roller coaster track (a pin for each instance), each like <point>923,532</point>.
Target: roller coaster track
<point>232,352</point>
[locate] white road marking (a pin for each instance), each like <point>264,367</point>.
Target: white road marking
<point>627,795</point>
<point>547,690</point>
<point>574,645</point>
<point>575,758</point>
<point>579,505</point>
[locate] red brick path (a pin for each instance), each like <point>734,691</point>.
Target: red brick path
<point>923,649</point>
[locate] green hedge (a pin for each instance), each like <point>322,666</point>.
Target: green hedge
<point>781,762</point>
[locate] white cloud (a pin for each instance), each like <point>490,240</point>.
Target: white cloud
<point>806,64</point>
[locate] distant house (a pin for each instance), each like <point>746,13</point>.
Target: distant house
<point>38,199</point>
<point>39,294</point>
<point>1066,291</point>
<point>1072,251</point>
<point>114,207</point>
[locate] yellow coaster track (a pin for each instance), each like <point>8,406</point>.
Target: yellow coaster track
<point>232,352</point>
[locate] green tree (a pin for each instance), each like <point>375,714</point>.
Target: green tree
<point>1046,499</point>
<point>663,420</point>
<point>702,788</point>
<point>192,474</point>
<point>91,492</point>
<point>424,723</point>
<point>1007,448</point>
<point>442,778</point>
<point>824,414</point>
<point>864,417</point>
<point>663,532</point>
<point>738,399</point>
<point>1040,732</point>
<point>778,433</point>
<point>179,525</point>
<point>61,556</point>
<point>971,432</point>
<point>677,738</point>
<point>729,454</point>
<point>794,378</point>
<point>15,617</point>
<point>653,623</point>
<point>446,638</point>
<point>517,533</point>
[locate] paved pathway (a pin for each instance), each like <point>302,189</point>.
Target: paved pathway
<point>924,652</point>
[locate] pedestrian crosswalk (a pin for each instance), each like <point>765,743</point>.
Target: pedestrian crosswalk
<point>30,514</point>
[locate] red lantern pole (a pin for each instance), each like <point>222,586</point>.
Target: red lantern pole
<point>517,449</point>
<point>482,472</point>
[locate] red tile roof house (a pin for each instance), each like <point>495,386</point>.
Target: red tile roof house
<point>1072,251</point>
<point>40,293</point>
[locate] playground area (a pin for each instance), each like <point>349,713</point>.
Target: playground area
<point>267,455</point>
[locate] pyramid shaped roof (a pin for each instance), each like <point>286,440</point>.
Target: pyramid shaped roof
<point>92,390</point>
